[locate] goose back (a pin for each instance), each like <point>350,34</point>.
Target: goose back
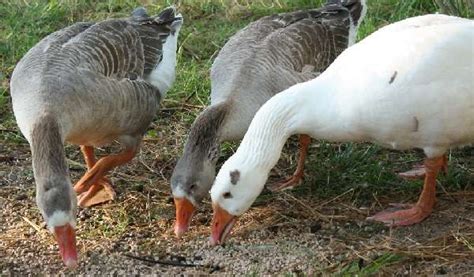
<point>93,76</point>
<point>275,53</point>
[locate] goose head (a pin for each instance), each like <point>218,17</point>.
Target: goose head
<point>190,183</point>
<point>194,173</point>
<point>57,203</point>
<point>236,187</point>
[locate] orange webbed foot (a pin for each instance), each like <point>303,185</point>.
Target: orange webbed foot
<point>94,188</point>
<point>393,217</point>
<point>99,192</point>
<point>419,170</point>
<point>422,209</point>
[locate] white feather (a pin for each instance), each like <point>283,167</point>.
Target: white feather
<point>408,85</point>
<point>164,75</point>
<point>354,27</point>
<point>178,192</point>
<point>61,218</point>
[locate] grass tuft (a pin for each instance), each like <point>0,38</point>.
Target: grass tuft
<point>343,184</point>
<point>357,268</point>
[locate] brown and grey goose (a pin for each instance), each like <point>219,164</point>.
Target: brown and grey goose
<point>90,84</point>
<point>266,57</point>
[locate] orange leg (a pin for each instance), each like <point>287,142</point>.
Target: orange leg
<point>419,171</point>
<point>291,182</point>
<point>102,189</point>
<point>89,157</point>
<point>94,188</point>
<point>422,209</point>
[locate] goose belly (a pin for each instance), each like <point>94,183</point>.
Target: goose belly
<point>90,111</point>
<point>103,124</point>
<point>98,110</point>
<point>425,117</point>
<point>85,122</point>
<point>410,89</point>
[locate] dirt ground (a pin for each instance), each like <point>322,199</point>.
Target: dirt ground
<point>291,233</point>
<point>286,234</point>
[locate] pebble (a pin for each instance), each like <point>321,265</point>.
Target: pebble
<point>283,250</point>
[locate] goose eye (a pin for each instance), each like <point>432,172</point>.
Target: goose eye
<point>227,195</point>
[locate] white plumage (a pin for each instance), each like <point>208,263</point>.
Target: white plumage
<point>164,75</point>
<point>408,85</point>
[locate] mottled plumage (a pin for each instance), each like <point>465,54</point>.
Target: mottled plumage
<point>266,57</point>
<point>90,84</point>
<point>74,70</point>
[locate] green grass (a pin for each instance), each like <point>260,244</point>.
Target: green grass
<point>370,170</point>
<point>208,24</point>
<point>357,268</point>
<point>332,169</point>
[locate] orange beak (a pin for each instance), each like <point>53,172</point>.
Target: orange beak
<point>184,214</point>
<point>66,238</point>
<point>222,224</point>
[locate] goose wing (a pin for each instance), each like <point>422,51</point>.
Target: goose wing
<point>117,49</point>
<point>288,48</point>
<point>308,41</point>
<point>74,71</point>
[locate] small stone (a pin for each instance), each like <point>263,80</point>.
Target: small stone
<point>21,197</point>
<point>315,227</point>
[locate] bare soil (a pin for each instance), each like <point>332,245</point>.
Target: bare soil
<point>282,234</point>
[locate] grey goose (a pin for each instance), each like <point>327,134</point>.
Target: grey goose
<point>90,84</point>
<point>266,57</point>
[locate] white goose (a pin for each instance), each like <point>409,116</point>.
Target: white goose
<point>261,60</point>
<point>408,85</point>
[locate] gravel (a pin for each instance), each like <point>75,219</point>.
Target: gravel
<point>268,240</point>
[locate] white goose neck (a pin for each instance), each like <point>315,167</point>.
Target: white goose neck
<point>310,108</point>
<point>268,132</point>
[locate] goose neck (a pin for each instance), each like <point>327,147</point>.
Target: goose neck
<point>206,129</point>
<point>49,161</point>
<point>270,128</point>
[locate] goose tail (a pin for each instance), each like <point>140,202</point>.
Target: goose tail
<point>169,16</point>
<point>357,9</point>
<point>167,25</point>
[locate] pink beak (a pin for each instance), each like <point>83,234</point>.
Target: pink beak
<point>66,237</point>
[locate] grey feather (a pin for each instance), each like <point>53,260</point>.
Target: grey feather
<point>264,58</point>
<point>90,81</point>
